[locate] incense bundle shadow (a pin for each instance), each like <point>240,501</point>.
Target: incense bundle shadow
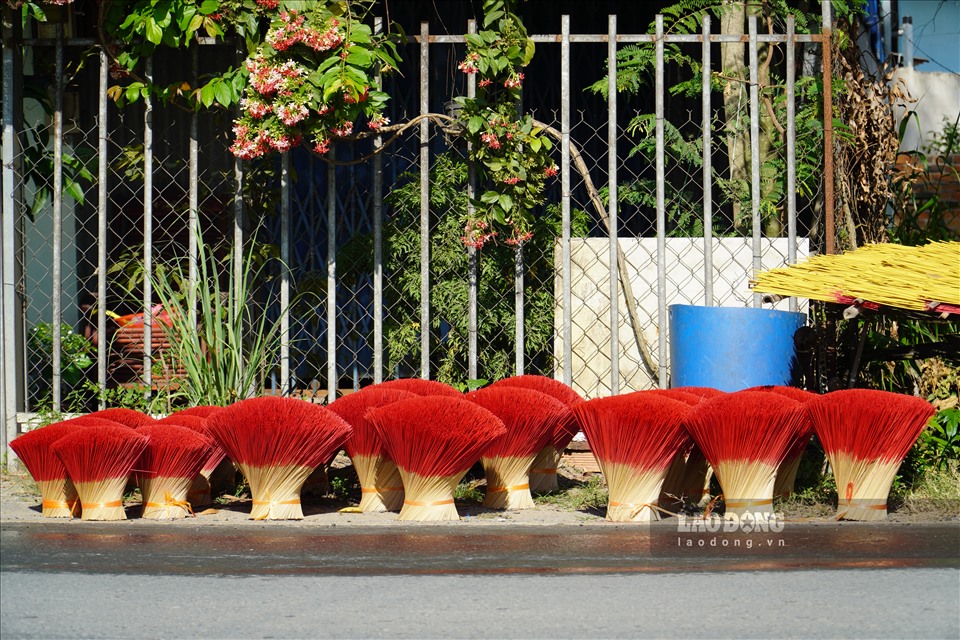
<point>434,440</point>
<point>866,434</point>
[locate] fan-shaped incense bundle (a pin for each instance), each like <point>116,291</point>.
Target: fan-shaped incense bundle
<point>787,471</point>
<point>200,411</point>
<point>99,459</point>
<point>434,440</point>
<point>865,435</point>
<point>129,417</point>
<point>199,493</point>
<point>57,493</point>
<point>543,473</point>
<point>167,467</point>
<point>277,443</point>
<point>634,437</point>
<point>745,436</point>
<point>381,487</point>
<point>531,419</point>
<point>687,477</point>
<point>420,387</point>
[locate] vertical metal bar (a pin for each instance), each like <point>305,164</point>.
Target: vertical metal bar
<point>518,308</point>
<point>908,47</point>
<point>332,379</point>
<point>472,257</point>
<point>238,252</point>
<point>9,245</point>
<point>829,223</point>
<point>103,344</point>
<point>193,189</point>
<point>285,273</point>
<point>147,231</point>
<point>378,242</point>
<point>612,204</point>
<point>755,152</point>
<point>57,267</point>
<point>661,212</point>
<point>565,199</point>
<point>707,169</point>
<point>424,202</point>
<point>791,150</point>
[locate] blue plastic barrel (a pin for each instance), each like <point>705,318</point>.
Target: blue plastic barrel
<point>731,348</point>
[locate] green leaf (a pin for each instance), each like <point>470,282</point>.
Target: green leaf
<point>74,190</point>
<point>491,17</point>
<point>475,124</point>
<point>535,144</point>
<point>528,52</point>
<point>153,31</point>
<point>360,57</point>
<point>475,41</point>
<point>195,23</point>
<point>224,94</point>
<point>489,197</point>
<point>506,202</point>
<point>209,6</point>
<point>208,94</point>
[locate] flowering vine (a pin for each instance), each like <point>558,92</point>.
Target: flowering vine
<point>312,79</point>
<point>512,155</point>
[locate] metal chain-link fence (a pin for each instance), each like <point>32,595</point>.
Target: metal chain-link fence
<point>570,341</point>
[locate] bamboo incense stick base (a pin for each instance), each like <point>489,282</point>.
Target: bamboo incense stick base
<point>165,498</point>
<point>59,498</point>
<point>543,471</point>
<point>633,492</point>
<point>747,487</point>
<point>508,482</point>
<point>786,477</point>
<point>199,493</point>
<point>102,499</point>
<point>429,498</point>
<point>276,491</point>
<point>863,486</point>
<point>381,487</point>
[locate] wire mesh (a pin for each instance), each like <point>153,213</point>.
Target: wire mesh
<point>639,327</point>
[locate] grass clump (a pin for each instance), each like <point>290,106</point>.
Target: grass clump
<point>590,495</point>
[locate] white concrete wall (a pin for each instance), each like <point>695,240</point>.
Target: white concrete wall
<point>590,284</point>
<point>937,97</point>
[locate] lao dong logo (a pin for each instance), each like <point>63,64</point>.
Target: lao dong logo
<point>732,523</point>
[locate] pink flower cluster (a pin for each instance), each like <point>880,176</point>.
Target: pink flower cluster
<point>292,31</point>
<point>476,234</point>
<point>321,145</point>
<point>516,239</point>
<point>514,82</point>
<point>550,171</point>
<point>250,144</point>
<point>268,4</point>
<point>345,128</point>
<point>267,79</point>
<point>292,113</point>
<point>512,180</point>
<point>256,108</point>
<point>378,121</point>
<point>490,140</point>
<point>470,64</point>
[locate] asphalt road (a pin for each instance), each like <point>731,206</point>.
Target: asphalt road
<point>87,580</point>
